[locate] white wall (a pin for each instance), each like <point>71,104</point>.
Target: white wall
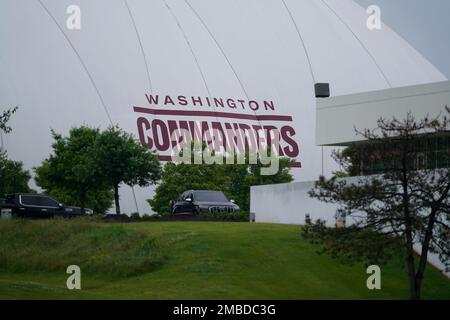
<point>288,204</point>
<point>337,117</point>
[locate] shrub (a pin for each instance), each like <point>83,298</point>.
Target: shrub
<point>241,216</point>
<point>135,216</point>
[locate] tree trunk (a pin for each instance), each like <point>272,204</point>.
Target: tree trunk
<point>413,294</point>
<point>424,254</point>
<point>116,198</point>
<point>409,243</point>
<point>82,201</point>
<point>414,286</point>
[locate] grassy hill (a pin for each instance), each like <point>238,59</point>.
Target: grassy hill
<point>184,260</point>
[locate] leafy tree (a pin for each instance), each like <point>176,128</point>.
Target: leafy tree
<point>255,177</point>
<point>234,180</point>
<point>72,171</point>
<point>98,199</point>
<point>243,177</point>
<point>406,204</point>
<point>122,159</point>
<point>13,178</point>
<point>4,118</point>
<point>177,178</point>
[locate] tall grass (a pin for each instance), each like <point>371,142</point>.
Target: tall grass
<point>52,245</point>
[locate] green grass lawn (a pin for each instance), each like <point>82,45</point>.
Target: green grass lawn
<point>184,260</point>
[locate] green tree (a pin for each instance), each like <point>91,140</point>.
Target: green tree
<point>4,118</point>
<point>122,159</point>
<point>13,178</point>
<point>244,176</point>
<point>406,204</point>
<point>72,171</point>
<point>234,180</point>
<point>98,199</point>
<point>177,178</point>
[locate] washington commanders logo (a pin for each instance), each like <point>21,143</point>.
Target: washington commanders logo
<point>225,125</point>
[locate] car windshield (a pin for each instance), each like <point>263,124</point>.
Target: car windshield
<point>214,196</point>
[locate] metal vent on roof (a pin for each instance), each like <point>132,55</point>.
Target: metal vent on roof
<point>322,90</point>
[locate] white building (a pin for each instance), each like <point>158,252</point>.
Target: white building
<point>254,50</point>
<point>337,118</point>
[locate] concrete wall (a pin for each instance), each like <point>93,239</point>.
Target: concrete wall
<point>289,203</point>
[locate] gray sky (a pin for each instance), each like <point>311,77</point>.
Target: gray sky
<point>423,23</point>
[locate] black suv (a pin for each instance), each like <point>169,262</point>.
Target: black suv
<point>36,206</point>
<point>203,201</point>
<point>76,211</point>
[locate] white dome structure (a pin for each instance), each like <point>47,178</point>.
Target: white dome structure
<point>260,59</point>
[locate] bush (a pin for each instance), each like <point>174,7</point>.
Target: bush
<point>135,216</point>
<point>241,216</point>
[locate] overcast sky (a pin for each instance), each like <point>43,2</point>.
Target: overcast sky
<point>425,24</point>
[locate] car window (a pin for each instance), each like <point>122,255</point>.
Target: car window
<point>214,196</point>
<point>30,200</point>
<point>38,201</point>
<point>48,202</point>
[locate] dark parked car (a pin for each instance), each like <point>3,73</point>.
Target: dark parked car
<point>36,206</point>
<point>203,201</point>
<point>76,211</point>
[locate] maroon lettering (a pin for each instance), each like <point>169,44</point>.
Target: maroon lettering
<point>197,101</point>
<point>292,151</point>
<point>242,103</point>
<point>182,101</point>
<point>270,143</point>
<point>218,137</point>
<point>143,126</point>
<point>162,141</point>
<point>253,105</point>
<point>152,99</point>
<point>219,102</point>
<point>269,105</point>
<point>231,103</point>
<point>168,100</point>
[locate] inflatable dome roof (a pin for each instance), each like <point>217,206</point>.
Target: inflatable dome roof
<point>146,64</point>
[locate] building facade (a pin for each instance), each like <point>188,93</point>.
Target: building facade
<point>215,63</point>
